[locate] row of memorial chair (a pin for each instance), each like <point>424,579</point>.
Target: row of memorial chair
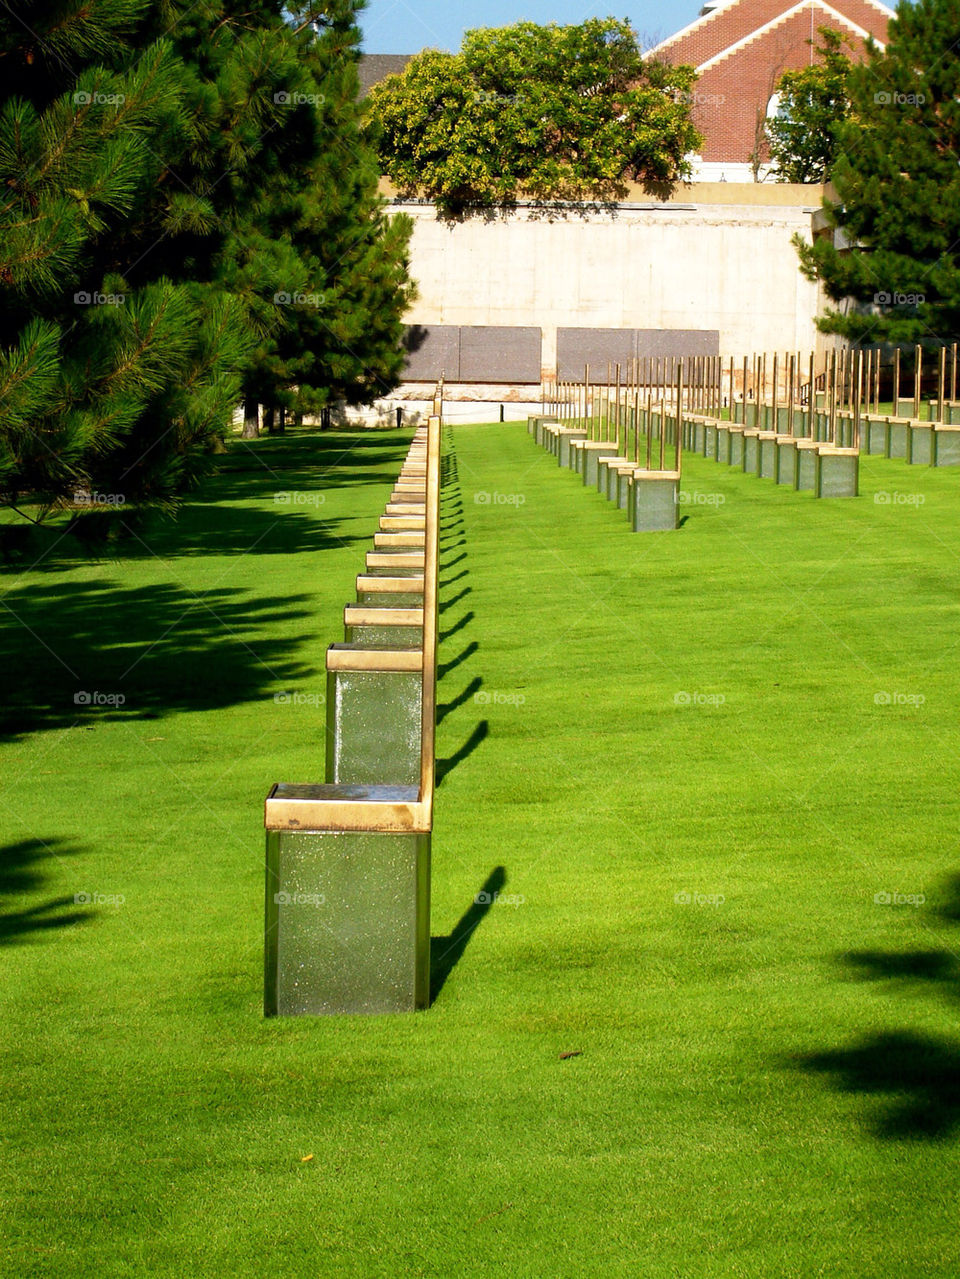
<point>811,462</point>
<point>348,861</point>
<point>919,441</point>
<point>801,452</point>
<point>649,494</point>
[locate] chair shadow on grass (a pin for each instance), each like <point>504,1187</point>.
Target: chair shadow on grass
<point>465,620</point>
<point>446,766</point>
<point>444,668</point>
<point>20,874</point>
<point>446,952</point>
<point>917,1072</point>
<point>455,599</point>
<point>464,696</point>
<point>450,490</point>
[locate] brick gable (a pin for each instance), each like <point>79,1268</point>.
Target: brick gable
<point>743,48</point>
<point>710,35</point>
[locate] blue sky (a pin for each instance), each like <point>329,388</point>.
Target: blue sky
<point>406,26</point>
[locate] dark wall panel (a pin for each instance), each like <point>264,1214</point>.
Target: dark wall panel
<point>432,352</point>
<point>653,342</point>
<point>473,353</point>
<point>494,353</point>
<point>596,347</point>
<point>491,353</point>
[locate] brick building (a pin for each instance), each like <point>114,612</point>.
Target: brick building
<point>740,49</point>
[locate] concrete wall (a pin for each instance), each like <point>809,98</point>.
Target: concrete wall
<point>712,256</point>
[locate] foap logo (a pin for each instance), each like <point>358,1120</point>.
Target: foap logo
<point>283,298</point>
<point>692,98</point>
<point>500,899</point>
<point>483,97</point>
<point>99,899</point>
<point>687,898</point>
<point>883,498</point>
<point>699,699</point>
<point>899,299</point>
<point>300,899</point>
<point>315,700</point>
<point>285,99</point>
<point>898,899</point>
<point>700,499</point>
<point>891,98</point>
<point>898,699</point>
<point>83,497</point>
<point>288,498</point>
<point>497,698</point>
<point>83,99</point>
<point>99,299</point>
<point>97,698</point>
<point>498,499</point>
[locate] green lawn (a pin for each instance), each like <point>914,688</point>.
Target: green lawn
<point>667,754</point>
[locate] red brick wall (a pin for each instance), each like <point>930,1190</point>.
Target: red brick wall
<point>729,95</point>
<point>725,27</point>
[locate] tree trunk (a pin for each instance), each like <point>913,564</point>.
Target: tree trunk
<point>281,426</point>
<point>251,419</point>
<point>269,416</point>
<point>324,419</point>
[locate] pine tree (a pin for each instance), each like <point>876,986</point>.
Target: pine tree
<point>113,376</point>
<point>897,179</point>
<point>329,313</point>
<point>171,173</point>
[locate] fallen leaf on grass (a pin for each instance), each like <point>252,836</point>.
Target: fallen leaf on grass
<point>577,1053</point>
<point>481,1220</point>
<point>306,1159</point>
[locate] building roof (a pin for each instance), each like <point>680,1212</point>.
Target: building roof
<point>375,67</point>
<point>729,23</point>
<point>740,49</point>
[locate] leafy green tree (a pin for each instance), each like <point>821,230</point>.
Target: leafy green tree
<point>541,112</point>
<point>813,103</point>
<point>896,218</point>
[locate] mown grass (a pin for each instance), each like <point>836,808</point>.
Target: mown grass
<point>665,752</point>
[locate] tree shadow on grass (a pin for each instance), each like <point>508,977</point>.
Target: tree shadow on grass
<point>446,952</point>
<point>200,529</point>
<point>88,651</point>
<point>293,471</point>
<point>308,461</point>
<point>919,1073</point>
<point>20,874</point>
